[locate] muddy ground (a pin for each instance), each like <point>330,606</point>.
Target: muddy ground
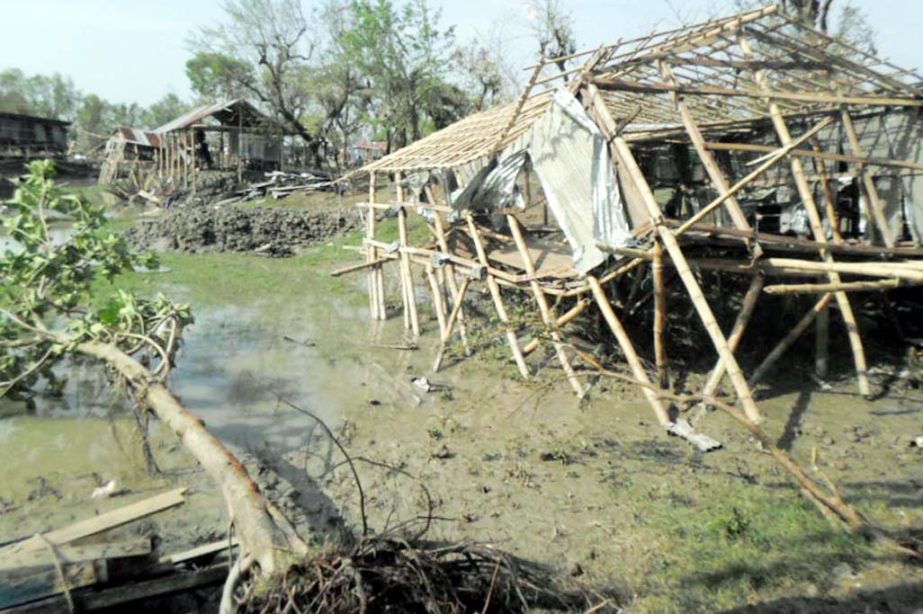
<point>593,489</point>
<point>273,231</point>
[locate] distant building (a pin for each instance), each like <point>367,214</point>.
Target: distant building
<point>363,152</point>
<point>27,136</point>
<point>230,135</point>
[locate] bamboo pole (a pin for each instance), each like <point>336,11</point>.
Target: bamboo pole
<point>873,199</point>
<point>450,324</point>
<point>626,158</point>
<point>829,197</point>
<point>565,318</point>
<point>497,299</point>
<point>411,317</point>
<point>737,333</point>
<point>438,305</point>
<point>807,198</point>
<point>540,298</point>
<point>771,161</point>
<point>789,339</point>
<point>851,286</point>
<point>451,282</point>
<point>631,356</point>
<point>822,344</point>
<point>660,317</point>
<point>372,254</point>
<point>711,166</point>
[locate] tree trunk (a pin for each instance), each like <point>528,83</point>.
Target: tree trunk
<point>266,537</point>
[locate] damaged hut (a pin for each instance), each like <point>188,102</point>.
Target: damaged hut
<point>29,137</point>
<point>749,148</point>
<point>231,136</point>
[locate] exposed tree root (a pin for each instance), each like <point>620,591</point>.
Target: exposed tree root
<point>386,574</point>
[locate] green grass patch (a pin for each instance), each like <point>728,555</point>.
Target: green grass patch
<point>724,550</point>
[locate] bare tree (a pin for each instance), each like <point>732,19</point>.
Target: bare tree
<point>553,29</point>
<point>264,49</point>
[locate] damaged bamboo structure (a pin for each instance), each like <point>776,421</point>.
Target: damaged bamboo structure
<point>750,147</point>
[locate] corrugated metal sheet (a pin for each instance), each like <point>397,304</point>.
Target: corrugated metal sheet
<point>227,112</point>
<point>144,138</point>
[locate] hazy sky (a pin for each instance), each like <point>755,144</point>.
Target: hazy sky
<point>135,50</point>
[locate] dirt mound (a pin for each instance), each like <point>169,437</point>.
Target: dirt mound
<point>277,232</point>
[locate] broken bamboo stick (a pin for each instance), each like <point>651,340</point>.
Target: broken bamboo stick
<point>540,298</point>
<point>789,339</point>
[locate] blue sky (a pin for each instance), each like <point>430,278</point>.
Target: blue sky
<point>135,50</point>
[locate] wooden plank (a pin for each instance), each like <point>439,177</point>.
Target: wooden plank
<point>200,551</point>
<point>69,553</point>
<point>103,522</point>
<point>25,584</point>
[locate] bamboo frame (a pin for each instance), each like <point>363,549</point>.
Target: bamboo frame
<point>653,92</point>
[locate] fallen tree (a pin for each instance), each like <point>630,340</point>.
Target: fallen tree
<point>48,312</point>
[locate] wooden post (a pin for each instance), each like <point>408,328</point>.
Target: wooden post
<point>789,339</point>
<point>494,288</point>
<point>544,309</point>
<point>817,229</point>
<point>873,199</point>
<point>634,362</point>
<point>660,316</point>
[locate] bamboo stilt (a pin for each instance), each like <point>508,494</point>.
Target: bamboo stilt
<point>450,324</point>
<point>829,197</point>
<point>634,362</point>
<point>622,155</point>
<point>451,282</point>
<point>660,317</point>
<point>737,333</point>
<point>411,317</point>
<point>822,344</point>
<point>438,305</point>
<point>563,319</point>
<point>547,317</point>
<point>817,229</point>
<point>789,339</point>
<point>497,299</point>
<point>372,252</point>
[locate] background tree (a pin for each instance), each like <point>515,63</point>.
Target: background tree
<point>403,57</point>
<point>553,29</point>
<point>262,49</point>
<point>167,108</point>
